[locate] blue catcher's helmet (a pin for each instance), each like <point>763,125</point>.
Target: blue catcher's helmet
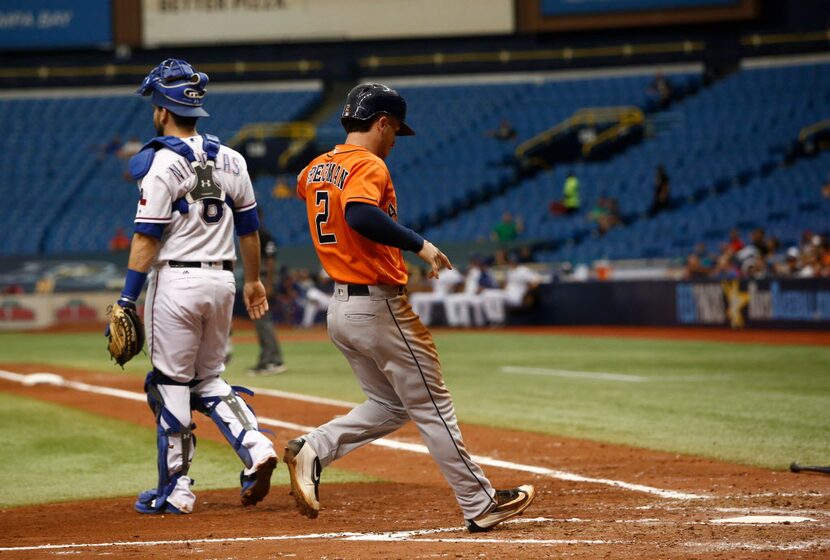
<point>177,87</point>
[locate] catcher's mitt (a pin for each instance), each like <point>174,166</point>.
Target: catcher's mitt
<point>125,332</point>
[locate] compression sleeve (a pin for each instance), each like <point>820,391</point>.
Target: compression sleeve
<point>374,224</point>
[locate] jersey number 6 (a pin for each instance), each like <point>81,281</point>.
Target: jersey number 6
<point>322,197</point>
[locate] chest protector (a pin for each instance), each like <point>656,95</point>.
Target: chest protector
<point>205,189</point>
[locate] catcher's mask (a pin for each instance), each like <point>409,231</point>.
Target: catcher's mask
<point>176,86</point>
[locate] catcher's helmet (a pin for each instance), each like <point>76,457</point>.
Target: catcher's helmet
<point>177,87</point>
<point>367,100</point>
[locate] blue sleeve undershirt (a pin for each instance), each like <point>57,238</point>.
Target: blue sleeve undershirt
<point>375,225</point>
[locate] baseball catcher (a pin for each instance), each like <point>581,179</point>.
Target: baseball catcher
<point>125,332</point>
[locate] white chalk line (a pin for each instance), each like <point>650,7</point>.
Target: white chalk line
<point>760,547</point>
<point>346,536</point>
<point>599,375</point>
<point>388,442</point>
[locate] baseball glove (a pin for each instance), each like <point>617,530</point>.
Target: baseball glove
<point>125,332</point>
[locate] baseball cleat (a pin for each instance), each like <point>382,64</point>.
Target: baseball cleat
<point>509,503</point>
<point>146,503</point>
<point>256,485</point>
<point>304,471</point>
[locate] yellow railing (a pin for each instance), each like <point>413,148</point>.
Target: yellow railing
<point>626,50</point>
<point>759,40</point>
<point>301,132</point>
<point>813,128</point>
<point>625,117</point>
<point>113,70</point>
<point>628,117</point>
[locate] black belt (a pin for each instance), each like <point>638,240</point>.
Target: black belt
<point>363,290</point>
<point>226,265</point>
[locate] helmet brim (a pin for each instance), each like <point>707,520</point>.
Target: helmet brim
<point>405,130</point>
<point>161,100</point>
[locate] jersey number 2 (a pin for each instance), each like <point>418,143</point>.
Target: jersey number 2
<point>322,197</point>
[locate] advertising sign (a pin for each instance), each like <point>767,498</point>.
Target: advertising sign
<point>176,22</point>
<point>34,24</point>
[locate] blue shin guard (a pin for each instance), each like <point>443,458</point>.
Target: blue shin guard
<point>154,501</point>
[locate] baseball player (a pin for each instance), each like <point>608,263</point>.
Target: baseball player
<point>520,279</point>
<point>352,211</point>
<point>422,302</point>
<point>194,192</point>
<point>460,306</point>
<point>316,298</point>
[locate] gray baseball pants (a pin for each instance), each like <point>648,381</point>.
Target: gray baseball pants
<point>396,363</point>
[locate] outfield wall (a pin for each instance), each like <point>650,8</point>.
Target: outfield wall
<point>780,303</point>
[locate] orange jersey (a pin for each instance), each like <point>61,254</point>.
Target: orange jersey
<point>327,184</point>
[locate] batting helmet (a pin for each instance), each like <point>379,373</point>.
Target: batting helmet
<point>177,87</point>
<point>367,100</point>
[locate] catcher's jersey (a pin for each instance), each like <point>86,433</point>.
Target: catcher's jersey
<point>202,230</point>
<point>327,184</point>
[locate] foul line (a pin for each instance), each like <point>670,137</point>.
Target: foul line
<point>391,536</point>
<point>601,375</point>
<point>54,379</point>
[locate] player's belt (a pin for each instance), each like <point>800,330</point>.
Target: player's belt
<point>366,290</point>
<point>224,265</point>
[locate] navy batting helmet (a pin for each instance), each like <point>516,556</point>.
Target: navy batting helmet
<point>177,87</point>
<point>367,100</point>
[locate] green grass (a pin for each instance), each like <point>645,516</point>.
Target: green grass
<point>754,404</point>
<point>53,453</point>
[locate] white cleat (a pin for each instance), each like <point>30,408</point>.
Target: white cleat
<point>509,503</point>
<point>304,471</point>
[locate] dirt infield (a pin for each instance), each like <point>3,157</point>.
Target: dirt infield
<point>594,501</point>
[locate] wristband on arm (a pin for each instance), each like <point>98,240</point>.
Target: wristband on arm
<point>133,285</point>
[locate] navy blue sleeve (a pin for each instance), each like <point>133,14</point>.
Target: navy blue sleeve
<point>375,225</point>
<point>151,230</point>
<point>246,222</point>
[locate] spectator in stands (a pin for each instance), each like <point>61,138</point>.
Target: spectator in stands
<point>662,191</point>
<point>525,254</point>
<point>791,265</point>
<point>759,240</point>
<point>507,229</point>
<point>661,88</point>
<point>735,242</point>
<point>570,202</point>
<point>499,258</point>
<point>725,268</point>
<point>119,241</point>
<point>504,131</point>
<point>824,256</point>
<point>606,214</point>
<point>695,268</point>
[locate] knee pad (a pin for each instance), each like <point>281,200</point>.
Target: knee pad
<point>230,414</point>
<point>167,425</point>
